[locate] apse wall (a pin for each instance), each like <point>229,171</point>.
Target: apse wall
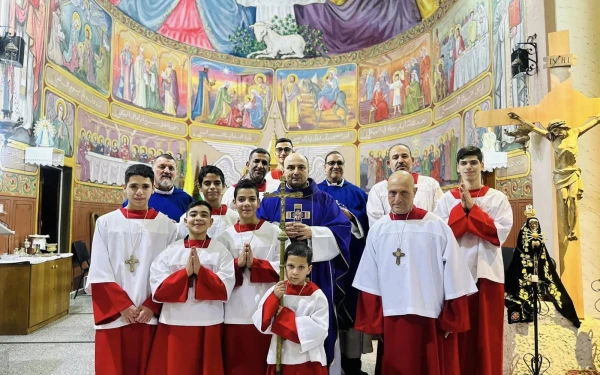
<point>118,93</point>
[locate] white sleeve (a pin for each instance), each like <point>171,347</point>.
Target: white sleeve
<point>458,281</point>
<point>323,240</point>
<point>367,275</point>
<point>439,193</point>
<point>101,270</point>
<point>257,317</point>
<point>226,271</point>
<point>173,232</point>
<point>182,230</point>
<point>313,329</point>
<point>442,210</point>
<point>503,218</point>
<point>375,207</point>
<point>159,271</point>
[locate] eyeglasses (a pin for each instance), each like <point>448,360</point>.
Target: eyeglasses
<point>279,150</point>
<point>333,163</point>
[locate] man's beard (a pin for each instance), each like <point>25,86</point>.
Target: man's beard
<point>257,177</point>
<point>165,183</point>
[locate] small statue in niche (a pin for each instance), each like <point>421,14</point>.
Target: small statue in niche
<point>531,267</point>
<point>567,175</point>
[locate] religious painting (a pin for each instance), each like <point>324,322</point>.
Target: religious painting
<point>149,76</point>
<point>230,95</point>
<point>434,152</point>
<point>397,83</point>
<point>323,98</point>
<point>296,28</point>
<point>461,47</point>
<point>59,114</point>
<point>508,29</point>
<point>79,34</point>
<point>474,136</point>
<point>106,149</point>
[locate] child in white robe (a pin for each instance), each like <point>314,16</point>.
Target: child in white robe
<point>193,278</point>
<point>302,321</point>
<point>254,245</point>
<point>211,181</point>
<point>125,243</point>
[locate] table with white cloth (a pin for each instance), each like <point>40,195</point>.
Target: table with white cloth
<point>472,62</point>
<point>108,170</point>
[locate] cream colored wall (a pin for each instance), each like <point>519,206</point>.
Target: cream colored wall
<point>580,17</point>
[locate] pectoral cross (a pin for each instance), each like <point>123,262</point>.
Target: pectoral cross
<point>131,262</point>
<point>398,254</point>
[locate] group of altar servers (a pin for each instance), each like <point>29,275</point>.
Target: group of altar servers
<point>416,268</point>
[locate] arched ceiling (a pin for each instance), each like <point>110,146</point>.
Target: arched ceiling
<point>328,27</point>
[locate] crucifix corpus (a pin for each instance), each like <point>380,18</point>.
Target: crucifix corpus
<point>398,254</point>
<point>568,115</point>
<point>132,261</point>
<point>282,195</point>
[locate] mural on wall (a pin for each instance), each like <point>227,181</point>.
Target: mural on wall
<point>323,25</point>
<point>434,152</point>
<point>21,88</point>
<point>508,29</point>
<point>57,130</point>
<point>79,34</point>
<point>475,136</point>
<point>322,98</point>
<point>231,158</point>
<point>148,75</point>
<point>461,47</point>
<point>106,149</point>
<point>229,95</point>
<point>396,83</point>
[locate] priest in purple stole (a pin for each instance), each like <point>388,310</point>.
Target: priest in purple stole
<point>353,203</point>
<point>316,219</point>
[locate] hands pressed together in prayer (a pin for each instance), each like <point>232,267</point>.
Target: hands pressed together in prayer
<point>134,314</point>
<point>192,267</point>
<point>465,198</point>
<point>246,258</point>
<point>298,231</point>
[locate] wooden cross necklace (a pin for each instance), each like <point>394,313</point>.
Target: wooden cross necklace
<point>398,253</point>
<point>132,261</point>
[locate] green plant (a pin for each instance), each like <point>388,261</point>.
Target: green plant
<point>244,42</point>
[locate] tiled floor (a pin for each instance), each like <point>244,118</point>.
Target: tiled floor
<point>67,346</point>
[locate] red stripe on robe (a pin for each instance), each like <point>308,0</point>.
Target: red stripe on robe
<point>108,300</point>
<point>420,340</point>
<point>284,325</point>
<point>139,214</point>
<point>174,288</point>
<point>269,310</point>
<point>476,222</point>
<point>312,368</point>
<point>276,174</point>
<point>239,273</point>
<point>123,350</point>
<point>187,350</point>
<point>246,339</point>
<point>262,272</point>
<point>209,287</point>
<point>486,312</point>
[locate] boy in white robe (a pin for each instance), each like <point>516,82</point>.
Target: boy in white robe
<point>302,321</point>
<point>481,219</point>
<point>125,243</point>
<point>254,245</point>
<point>192,278</point>
<point>211,181</point>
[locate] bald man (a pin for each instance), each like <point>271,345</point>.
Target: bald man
<point>317,220</point>
<point>428,189</point>
<point>414,282</point>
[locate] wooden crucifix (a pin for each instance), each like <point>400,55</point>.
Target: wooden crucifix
<point>564,114</point>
